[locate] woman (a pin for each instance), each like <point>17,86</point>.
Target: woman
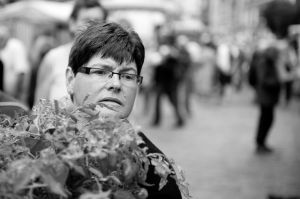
<point>104,67</point>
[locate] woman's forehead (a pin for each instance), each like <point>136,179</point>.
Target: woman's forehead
<point>98,61</point>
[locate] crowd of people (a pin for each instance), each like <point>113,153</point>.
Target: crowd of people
<point>210,67</point>
<point>177,65</point>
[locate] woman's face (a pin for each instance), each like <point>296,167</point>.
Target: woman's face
<point>115,98</point>
<point>85,15</point>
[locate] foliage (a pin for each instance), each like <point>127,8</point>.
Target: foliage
<point>62,152</point>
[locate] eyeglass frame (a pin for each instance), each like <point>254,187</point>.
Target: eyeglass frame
<point>87,70</point>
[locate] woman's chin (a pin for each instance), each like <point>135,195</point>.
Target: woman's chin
<point>105,112</point>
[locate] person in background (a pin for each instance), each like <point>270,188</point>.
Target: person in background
<point>16,69</point>
<point>170,74</point>
<point>289,62</point>
<point>108,73</point>
<point>205,72</point>
<point>265,78</point>
<point>224,67</point>
<point>186,86</point>
<point>43,42</point>
<point>1,75</point>
<point>51,83</point>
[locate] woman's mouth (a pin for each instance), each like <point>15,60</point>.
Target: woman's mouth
<point>110,102</point>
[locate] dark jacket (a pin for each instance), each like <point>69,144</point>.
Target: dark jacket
<point>173,69</point>
<point>170,190</point>
<point>1,75</point>
<point>264,76</point>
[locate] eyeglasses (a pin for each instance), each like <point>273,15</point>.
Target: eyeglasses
<point>125,78</point>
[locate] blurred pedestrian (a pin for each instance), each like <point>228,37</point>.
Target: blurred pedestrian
<point>16,69</point>
<point>265,78</point>
<point>152,60</point>
<point>168,76</point>
<point>147,90</point>
<point>289,62</point>
<point>51,82</point>
<point>224,67</point>
<point>187,50</point>
<point>205,72</point>
<point>1,75</point>
<point>42,44</point>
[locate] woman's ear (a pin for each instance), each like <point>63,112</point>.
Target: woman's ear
<point>70,77</point>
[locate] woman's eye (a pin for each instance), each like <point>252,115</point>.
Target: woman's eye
<point>101,72</point>
<point>128,76</point>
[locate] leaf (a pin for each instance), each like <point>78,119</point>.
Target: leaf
<point>33,129</point>
<point>23,172</point>
<point>5,120</point>
<point>93,117</point>
<point>180,180</point>
<point>99,195</point>
<point>162,166</point>
<point>88,111</point>
<point>142,193</point>
<point>38,146</point>
<point>112,158</point>
<point>96,172</point>
<point>130,169</point>
<point>86,98</point>
<point>53,185</point>
<point>185,190</point>
<point>113,179</point>
<point>73,117</point>
<point>163,181</point>
<point>30,142</point>
<point>122,194</point>
<point>55,176</point>
<point>56,107</point>
<point>91,106</point>
<point>21,126</point>
<point>76,167</point>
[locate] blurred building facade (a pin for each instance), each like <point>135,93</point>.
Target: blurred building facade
<point>218,16</point>
<point>231,16</point>
<point>224,16</point>
<point>27,18</point>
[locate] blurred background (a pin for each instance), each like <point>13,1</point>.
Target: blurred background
<point>198,102</point>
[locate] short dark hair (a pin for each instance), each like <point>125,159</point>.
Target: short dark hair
<point>109,40</point>
<point>82,4</point>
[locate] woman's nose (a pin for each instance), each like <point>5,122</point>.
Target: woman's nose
<point>114,82</point>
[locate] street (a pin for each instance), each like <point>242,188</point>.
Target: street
<point>217,152</point>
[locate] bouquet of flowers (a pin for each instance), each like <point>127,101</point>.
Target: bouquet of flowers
<point>62,152</point>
